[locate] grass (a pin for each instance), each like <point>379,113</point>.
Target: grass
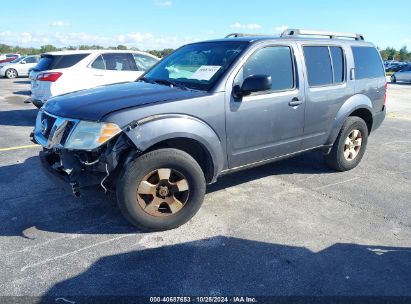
<point>388,73</point>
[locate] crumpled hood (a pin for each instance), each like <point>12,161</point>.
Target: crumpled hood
<point>94,104</point>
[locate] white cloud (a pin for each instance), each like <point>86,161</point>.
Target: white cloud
<point>135,39</point>
<point>164,3</point>
<point>59,23</point>
<point>281,28</point>
<point>250,26</point>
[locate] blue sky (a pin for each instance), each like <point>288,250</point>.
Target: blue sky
<point>159,24</point>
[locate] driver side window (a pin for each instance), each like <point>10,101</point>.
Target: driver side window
<point>274,61</point>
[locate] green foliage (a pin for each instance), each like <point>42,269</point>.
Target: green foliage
<point>390,53</point>
<point>4,48</point>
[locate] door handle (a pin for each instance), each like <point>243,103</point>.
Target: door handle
<point>295,102</point>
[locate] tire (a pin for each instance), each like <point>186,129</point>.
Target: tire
<point>343,156</point>
<point>135,203</point>
<point>11,73</point>
<point>393,79</point>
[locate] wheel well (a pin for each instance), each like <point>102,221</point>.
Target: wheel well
<point>365,115</point>
<point>192,147</point>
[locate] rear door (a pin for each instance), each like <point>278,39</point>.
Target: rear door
<point>111,68</point>
<point>265,125</point>
<point>327,88</point>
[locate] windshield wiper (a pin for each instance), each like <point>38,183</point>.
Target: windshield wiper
<point>165,82</point>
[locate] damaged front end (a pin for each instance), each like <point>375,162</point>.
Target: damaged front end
<point>76,169</point>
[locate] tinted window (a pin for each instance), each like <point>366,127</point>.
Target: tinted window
<point>144,62</point>
<point>31,60</point>
<point>367,63</point>
<point>317,60</point>
<point>337,57</point>
<point>274,61</point>
<point>99,63</point>
<point>120,62</point>
<point>51,62</point>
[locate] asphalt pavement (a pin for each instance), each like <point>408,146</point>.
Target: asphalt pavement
<point>289,228</point>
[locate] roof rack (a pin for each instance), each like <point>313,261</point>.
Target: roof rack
<point>331,35</point>
<point>234,35</point>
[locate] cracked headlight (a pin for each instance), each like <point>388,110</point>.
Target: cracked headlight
<point>89,135</point>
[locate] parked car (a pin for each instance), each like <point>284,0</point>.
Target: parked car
<point>68,71</point>
<point>212,108</point>
<point>404,75</point>
<point>396,68</point>
<point>18,67</point>
<point>8,57</point>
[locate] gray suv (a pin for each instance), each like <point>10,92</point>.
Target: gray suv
<point>211,108</point>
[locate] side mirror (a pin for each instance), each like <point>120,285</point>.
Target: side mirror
<point>23,62</point>
<point>253,83</point>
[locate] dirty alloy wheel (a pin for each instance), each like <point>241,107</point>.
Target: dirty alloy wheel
<point>393,79</point>
<point>11,73</point>
<point>350,145</point>
<point>161,190</point>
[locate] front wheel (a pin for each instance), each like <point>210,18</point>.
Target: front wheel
<point>349,147</point>
<point>161,190</point>
<point>393,79</point>
<point>11,73</point>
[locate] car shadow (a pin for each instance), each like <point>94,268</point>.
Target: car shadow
<point>307,163</point>
<point>227,266</point>
<point>22,81</point>
<point>43,206</point>
<point>24,93</point>
<point>23,117</point>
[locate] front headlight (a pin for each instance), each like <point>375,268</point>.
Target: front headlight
<point>89,135</point>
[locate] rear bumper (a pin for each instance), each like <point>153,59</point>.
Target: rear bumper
<point>378,118</point>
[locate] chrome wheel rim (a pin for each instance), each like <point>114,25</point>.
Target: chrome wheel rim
<point>352,145</point>
<point>11,74</point>
<point>163,192</point>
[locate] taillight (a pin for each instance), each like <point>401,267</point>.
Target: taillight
<point>53,76</point>
<point>385,92</point>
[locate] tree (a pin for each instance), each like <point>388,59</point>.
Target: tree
<point>48,48</point>
<point>403,54</point>
<point>121,47</point>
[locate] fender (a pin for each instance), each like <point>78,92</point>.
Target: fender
<point>151,130</point>
<point>358,101</point>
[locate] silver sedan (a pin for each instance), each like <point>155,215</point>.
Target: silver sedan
<point>18,67</point>
<point>402,75</point>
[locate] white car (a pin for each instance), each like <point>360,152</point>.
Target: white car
<point>18,67</point>
<point>69,71</point>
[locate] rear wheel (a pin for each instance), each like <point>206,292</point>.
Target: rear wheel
<point>11,73</point>
<point>161,190</point>
<point>393,79</point>
<point>350,145</point>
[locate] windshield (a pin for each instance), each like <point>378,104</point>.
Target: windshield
<point>18,59</point>
<point>196,66</point>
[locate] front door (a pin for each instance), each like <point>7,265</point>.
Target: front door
<point>267,124</point>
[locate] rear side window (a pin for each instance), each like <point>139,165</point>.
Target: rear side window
<point>275,61</point>
<point>99,63</point>
<point>325,65</point>
<point>51,62</point>
<point>367,63</point>
<point>337,57</point>
<point>119,62</point>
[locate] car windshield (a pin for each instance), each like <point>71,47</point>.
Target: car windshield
<point>18,59</point>
<point>196,66</point>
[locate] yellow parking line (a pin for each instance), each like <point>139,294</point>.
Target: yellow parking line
<point>18,147</point>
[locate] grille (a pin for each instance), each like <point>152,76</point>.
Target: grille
<point>50,122</point>
<point>67,132</point>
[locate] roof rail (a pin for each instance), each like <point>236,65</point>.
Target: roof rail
<point>234,35</point>
<point>331,35</point>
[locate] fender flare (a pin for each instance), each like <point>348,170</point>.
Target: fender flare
<point>356,102</point>
<point>148,131</point>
